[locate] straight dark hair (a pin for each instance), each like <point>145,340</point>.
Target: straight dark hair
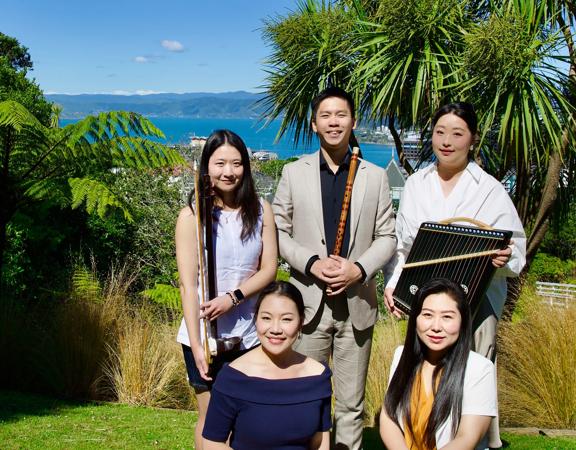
<point>448,375</point>
<point>245,196</point>
<point>332,91</point>
<point>284,289</point>
<point>463,110</point>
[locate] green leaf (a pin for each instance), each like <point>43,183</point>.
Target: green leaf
<point>97,196</point>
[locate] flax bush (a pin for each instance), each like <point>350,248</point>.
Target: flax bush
<point>537,367</point>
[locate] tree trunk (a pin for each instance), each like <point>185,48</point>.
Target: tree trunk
<point>3,242</point>
<point>399,147</point>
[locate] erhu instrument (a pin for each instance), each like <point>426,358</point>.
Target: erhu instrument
<point>460,253</point>
<point>213,345</point>
<point>207,329</point>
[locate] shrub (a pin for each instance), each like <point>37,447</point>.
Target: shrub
<point>537,380</point>
<point>551,268</point>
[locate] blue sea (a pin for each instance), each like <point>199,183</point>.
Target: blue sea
<point>256,137</point>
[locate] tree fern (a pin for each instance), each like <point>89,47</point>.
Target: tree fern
<point>166,295</point>
<point>97,196</point>
<point>16,116</point>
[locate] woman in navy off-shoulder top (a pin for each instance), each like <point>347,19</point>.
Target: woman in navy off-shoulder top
<point>272,397</point>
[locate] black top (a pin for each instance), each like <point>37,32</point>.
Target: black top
<point>264,414</point>
<point>333,186</point>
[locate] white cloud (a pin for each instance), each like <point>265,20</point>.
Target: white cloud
<point>141,60</point>
<point>173,46</point>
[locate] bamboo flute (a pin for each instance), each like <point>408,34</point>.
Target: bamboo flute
<point>346,201</point>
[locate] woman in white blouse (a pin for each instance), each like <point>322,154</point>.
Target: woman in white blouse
<point>455,186</point>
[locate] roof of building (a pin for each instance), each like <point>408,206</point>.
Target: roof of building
<point>395,176</point>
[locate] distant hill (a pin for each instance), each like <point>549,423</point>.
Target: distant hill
<point>204,105</point>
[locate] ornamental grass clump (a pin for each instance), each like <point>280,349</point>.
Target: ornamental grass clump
<point>537,367</point>
<point>388,335</point>
<point>75,340</point>
<point>145,366</point>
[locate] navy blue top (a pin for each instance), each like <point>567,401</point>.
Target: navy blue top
<point>268,414</point>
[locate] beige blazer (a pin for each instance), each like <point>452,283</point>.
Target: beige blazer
<point>298,214</point>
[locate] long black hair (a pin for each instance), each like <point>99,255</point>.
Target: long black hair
<point>448,375</point>
<point>245,196</point>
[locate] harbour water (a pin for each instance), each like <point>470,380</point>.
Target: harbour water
<point>256,137</point>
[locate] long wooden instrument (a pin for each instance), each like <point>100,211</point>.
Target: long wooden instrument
<point>346,202</point>
<point>205,326</point>
<point>217,345</point>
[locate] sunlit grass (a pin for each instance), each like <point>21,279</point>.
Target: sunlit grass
<point>537,367</point>
<point>387,336</point>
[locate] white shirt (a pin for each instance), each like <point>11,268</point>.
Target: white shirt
<point>236,261</point>
<point>476,195</point>
<point>478,398</point>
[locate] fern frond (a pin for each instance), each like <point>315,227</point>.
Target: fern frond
<point>166,295</point>
<point>138,153</point>
<point>14,115</point>
<point>53,189</point>
<point>97,196</point>
<point>85,284</point>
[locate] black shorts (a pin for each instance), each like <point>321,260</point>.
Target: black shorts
<point>194,378</point>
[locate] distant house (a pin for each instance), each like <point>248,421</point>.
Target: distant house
<point>264,155</point>
<point>396,179</point>
<point>197,141</point>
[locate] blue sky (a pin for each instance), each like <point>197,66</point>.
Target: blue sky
<point>141,46</point>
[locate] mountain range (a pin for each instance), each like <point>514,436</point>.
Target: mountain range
<point>201,105</point>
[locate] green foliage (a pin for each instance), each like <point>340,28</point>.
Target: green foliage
<point>273,168</point>
<point>512,69</point>
<point>16,261</point>
<point>17,87</point>
<point>407,51</point>
<point>86,150</point>
<point>85,284</point>
<point>97,195</point>
<point>75,165</point>
<point>551,268</point>
<point>311,48</point>
<point>283,273</point>
<point>14,54</point>
<point>560,240</point>
<point>165,295</point>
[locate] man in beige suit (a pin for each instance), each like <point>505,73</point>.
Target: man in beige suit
<point>339,291</point>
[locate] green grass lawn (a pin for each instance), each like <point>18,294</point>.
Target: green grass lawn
<point>32,422</point>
